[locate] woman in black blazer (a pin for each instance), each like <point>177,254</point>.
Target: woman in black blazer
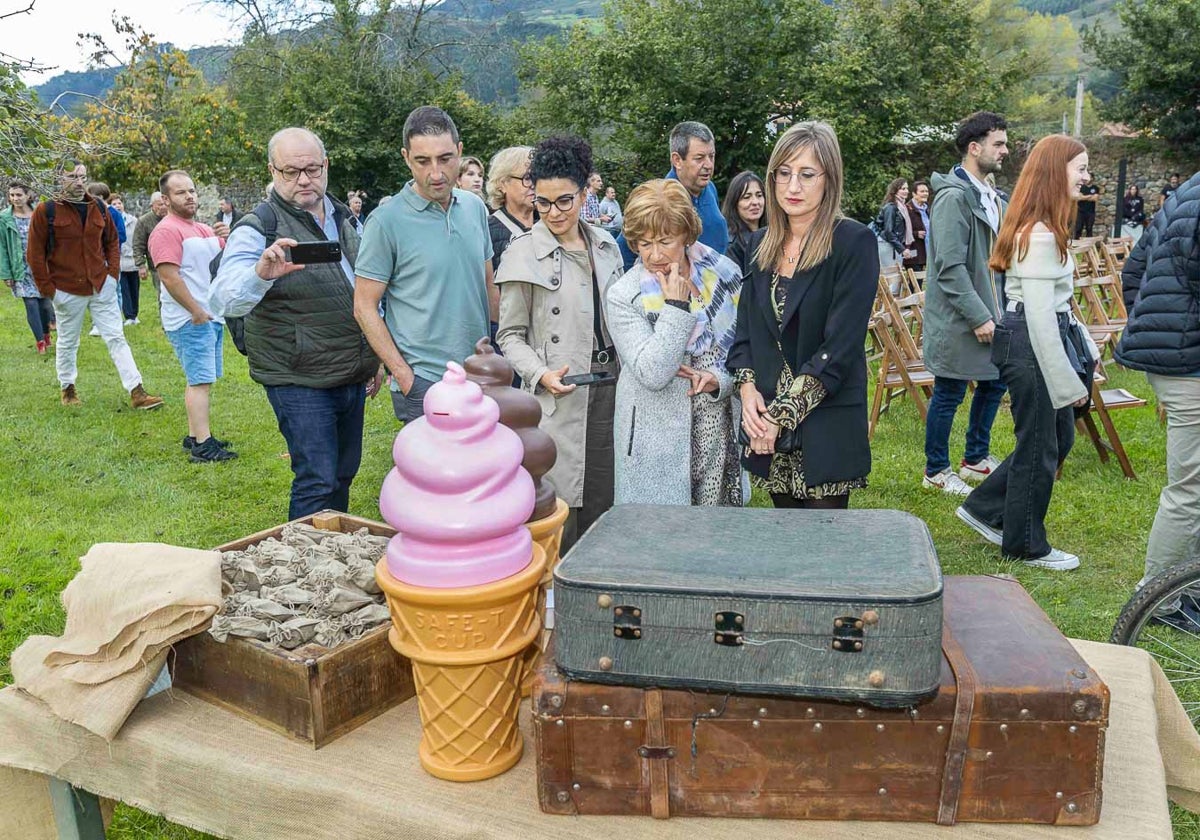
<point>809,283</point>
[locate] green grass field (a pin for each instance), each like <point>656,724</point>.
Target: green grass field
<point>103,472</point>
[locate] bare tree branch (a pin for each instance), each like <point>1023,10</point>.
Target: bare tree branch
<point>16,12</point>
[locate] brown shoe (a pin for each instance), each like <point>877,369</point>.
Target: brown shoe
<point>139,399</point>
<point>69,397</point>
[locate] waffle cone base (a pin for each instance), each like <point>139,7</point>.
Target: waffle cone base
<point>467,646</point>
<point>546,532</point>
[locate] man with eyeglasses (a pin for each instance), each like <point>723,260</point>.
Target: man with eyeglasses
<point>302,341</point>
<point>693,160</point>
<point>75,258</point>
<point>430,252</point>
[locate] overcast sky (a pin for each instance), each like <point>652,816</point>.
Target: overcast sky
<point>49,33</point>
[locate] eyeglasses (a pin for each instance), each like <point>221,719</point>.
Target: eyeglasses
<point>291,173</point>
<point>807,177</point>
<point>525,180</point>
<point>563,203</point>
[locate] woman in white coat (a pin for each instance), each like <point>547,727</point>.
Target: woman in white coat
<point>672,318</point>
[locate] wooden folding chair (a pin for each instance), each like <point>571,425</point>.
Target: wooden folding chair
<point>899,372</point>
<point>1103,402</point>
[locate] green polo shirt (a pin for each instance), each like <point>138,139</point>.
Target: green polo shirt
<point>433,263</point>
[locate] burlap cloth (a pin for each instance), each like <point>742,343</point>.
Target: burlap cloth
<point>127,605</point>
<point>206,768</point>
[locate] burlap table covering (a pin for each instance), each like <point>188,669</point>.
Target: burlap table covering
<point>206,768</point>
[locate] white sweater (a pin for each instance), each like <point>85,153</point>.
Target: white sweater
<point>1045,284</point>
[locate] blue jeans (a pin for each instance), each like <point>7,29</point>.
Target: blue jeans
<point>323,428</point>
<point>947,397</point>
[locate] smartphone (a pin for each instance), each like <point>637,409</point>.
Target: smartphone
<point>584,379</point>
<point>307,253</point>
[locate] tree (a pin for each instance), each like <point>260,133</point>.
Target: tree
<point>1157,65</point>
<point>352,75</point>
<point>872,70</point>
<point>161,114</point>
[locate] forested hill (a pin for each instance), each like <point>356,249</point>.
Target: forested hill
<point>488,74</point>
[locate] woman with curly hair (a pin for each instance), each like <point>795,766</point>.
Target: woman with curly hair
<point>552,282</point>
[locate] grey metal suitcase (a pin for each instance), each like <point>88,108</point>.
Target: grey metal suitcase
<point>841,605</point>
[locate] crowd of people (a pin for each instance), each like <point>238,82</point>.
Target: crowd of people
<point>680,349</point>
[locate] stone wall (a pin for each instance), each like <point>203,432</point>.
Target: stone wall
<point>1149,165</point>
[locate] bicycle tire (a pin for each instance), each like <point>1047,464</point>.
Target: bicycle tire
<point>1160,589</point>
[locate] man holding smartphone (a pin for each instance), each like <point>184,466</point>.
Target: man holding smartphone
<point>430,252</point>
<point>302,341</point>
<point>181,249</point>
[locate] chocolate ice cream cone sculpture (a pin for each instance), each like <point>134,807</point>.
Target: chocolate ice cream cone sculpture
<point>521,412</point>
<point>462,577</point>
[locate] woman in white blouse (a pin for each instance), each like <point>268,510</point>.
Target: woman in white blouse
<point>1045,357</point>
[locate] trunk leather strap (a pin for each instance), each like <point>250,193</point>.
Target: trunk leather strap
<point>960,729</point>
<point>656,734</point>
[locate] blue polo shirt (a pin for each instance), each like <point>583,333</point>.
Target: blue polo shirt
<point>714,230</point>
<point>433,263</point>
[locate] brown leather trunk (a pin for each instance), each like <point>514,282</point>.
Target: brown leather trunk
<point>1015,734</point>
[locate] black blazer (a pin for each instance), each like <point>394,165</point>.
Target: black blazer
<point>824,334</point>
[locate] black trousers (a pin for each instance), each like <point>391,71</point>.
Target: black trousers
<point>599,472</point>
<point>1084,224</point>
<point>1015,497</point>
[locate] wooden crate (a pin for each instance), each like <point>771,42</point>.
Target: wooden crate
<point>312,693</point>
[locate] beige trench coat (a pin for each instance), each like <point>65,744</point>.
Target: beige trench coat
<point>545,323</point>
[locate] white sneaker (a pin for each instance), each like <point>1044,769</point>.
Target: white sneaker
<point>976,473</point>
<point>1060,561</point>
<point>947,482</point>
<point>129,322</point>
<point>95,331</point>
<point>986,531</point>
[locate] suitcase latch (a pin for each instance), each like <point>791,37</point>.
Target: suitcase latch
<point>848,634</point>
<point>647,751</point>
<point>627,622</point>
<point>728,628</point>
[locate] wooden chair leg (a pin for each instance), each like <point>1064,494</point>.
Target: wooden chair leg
<point>1114,442</point>
<point>1089,428</point>
<point>876,404</point>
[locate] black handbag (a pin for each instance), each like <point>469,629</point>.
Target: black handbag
<point>788,440</point>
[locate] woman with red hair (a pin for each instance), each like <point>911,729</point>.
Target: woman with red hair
<point>1045,357</point>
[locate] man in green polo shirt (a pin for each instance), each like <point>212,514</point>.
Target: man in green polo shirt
<point>429,251</point>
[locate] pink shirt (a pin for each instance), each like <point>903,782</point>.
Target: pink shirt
<point>191,245</point>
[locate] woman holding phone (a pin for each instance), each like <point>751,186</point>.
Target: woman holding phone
<point>552,327</point>
<point>672,318</point>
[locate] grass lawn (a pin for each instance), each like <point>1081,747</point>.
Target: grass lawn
<point>103,472</point>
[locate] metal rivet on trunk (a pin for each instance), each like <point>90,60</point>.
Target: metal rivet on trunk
<point>1058,794</point>
<point>1072,729</point>
<point>559,722</point>
<point>870,617</point>
<point>883,791</point>
<point>817,727</point>
<point>605,709</point>
<point>606,663</point>
<point>605,601</point>
<point>987,754</point>
<point>755,724</point>
<point>1079,674</point>
<point>1079,707</point>
<point>879,727</point>
<point>941,728</point>
<point>837,645</point>
<point>875,678</point>
<point>629,724</point>
<point>913,713</point>
<point>809,712</point>
<point>556,700</point>
<point>712,711</point>
<point>618,611</point>
<point>1072,807</point>
<point>1024,714</point>
<point>563,796</point>
<point>1004,727</point>
<point>637,613</point>
<point>860,712</point>
<point>576,786</point>
<point>762,712</point>
<point>858,645</point>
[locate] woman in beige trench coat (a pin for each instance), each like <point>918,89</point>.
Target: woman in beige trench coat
<point>552,282</point>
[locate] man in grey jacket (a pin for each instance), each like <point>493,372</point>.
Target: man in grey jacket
<point>963,302</point>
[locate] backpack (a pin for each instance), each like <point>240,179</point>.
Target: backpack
<point>50,204</point>
<point>270,230</point>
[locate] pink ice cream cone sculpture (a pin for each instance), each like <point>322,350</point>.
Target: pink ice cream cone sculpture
<point>461,577</point>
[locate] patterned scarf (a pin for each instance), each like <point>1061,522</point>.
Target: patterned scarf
<point>719,282</point>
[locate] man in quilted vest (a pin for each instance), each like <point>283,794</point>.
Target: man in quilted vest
<point>302,341</point>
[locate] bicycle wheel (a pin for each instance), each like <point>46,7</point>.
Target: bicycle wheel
<point>1172,636</point>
